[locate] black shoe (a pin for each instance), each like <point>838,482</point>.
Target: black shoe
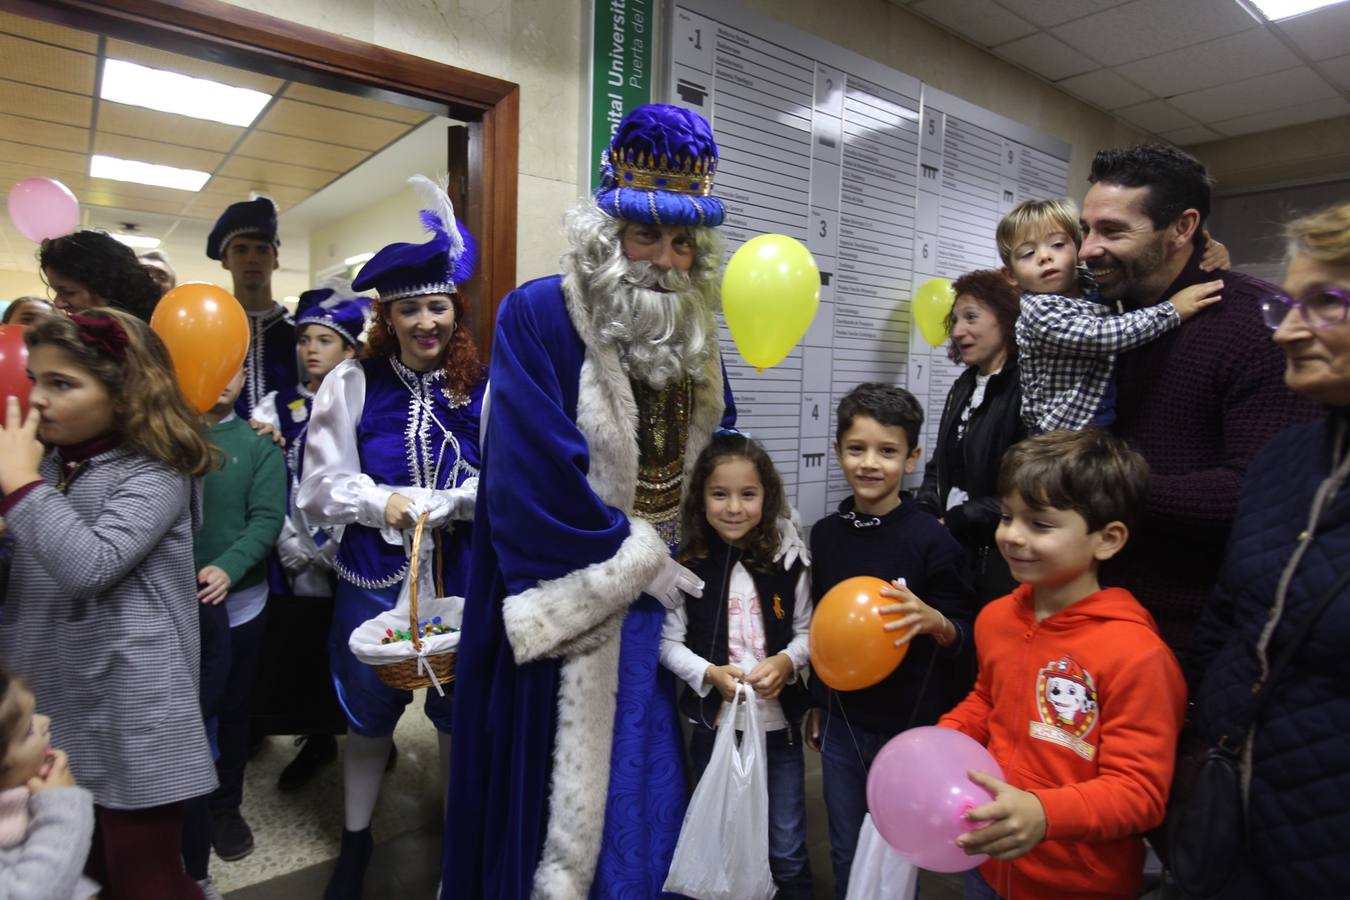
<point>350,871</point>
<point>393,758</point>
<point>316,751</point>
<point>230,835</point>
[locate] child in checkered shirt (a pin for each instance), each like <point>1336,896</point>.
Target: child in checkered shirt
<point>1067,338</point>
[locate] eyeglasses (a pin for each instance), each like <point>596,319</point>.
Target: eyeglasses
<point>1320,308</point>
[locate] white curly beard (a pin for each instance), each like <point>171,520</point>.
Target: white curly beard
<point>661,321</point>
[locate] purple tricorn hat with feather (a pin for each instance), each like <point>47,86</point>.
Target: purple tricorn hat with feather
<point>439,266</point>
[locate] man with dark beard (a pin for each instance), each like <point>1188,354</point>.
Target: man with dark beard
<point>1197,402</point>
<point>567,775</point>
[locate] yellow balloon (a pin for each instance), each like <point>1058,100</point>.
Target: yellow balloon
<point>932,302</point>
<point>770,294</point>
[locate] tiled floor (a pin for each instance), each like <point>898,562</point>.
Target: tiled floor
<point>297,834</point>
<point>296,831</point>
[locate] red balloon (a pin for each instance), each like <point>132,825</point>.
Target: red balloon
<point>14,380</point>
<point>849,648</point>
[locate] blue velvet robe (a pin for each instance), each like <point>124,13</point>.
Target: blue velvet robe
<point>538,519</point>
<point>270,363</point>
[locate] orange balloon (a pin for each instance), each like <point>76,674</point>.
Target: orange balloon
<point>849,648</point>
<point>206,331</point>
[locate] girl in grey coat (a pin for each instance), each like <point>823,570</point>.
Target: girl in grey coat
<point>100,610</point>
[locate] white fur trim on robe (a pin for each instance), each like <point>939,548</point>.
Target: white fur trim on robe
<point>580,615</point>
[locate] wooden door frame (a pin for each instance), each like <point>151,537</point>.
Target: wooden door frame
<point>221,32</point>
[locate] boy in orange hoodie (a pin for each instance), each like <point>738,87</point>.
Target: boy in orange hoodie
<point>1078,698</point>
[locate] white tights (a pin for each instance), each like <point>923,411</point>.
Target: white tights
<point>363,762</point>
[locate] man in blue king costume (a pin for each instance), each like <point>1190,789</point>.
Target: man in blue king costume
<point>567,778</point>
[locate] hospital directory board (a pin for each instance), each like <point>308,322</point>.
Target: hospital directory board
<point>887,181</point>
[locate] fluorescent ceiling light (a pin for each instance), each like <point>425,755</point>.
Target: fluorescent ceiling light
<point>358,259</point>
<point>136,241</point>
<point>1274,10</point>
<point>200,98</point>
<point>146,173</point>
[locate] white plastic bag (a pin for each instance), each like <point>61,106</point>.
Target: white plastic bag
<point>878,872</point>
<point>723,851</point>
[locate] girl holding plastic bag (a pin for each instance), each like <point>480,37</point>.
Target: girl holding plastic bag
<point>393,435</point>
<point>748,633</point>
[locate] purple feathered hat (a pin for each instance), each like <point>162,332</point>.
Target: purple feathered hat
<point>334,305</point>
<point>659,168</point>
<point>439,266</point>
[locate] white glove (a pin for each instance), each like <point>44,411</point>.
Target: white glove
<point>791,547</point>
<point>294,552</point>
<point>327,553</point>
<point>672,582</point>
<point>452,504</point>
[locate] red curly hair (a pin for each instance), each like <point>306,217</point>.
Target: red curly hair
<point>462,367</point>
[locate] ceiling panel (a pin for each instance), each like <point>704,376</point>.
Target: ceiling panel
<point>1046,13</point>
<point>283,148</point>
<point>39,158</point>
<point>11,172</point>
<point>157,152</point>
<point>208,207</point>
<point>1297,114</point>
<point>1237,56</point>
<point>1193,134</point>
<point>1255,95</point>
<point>197,68</point>
<point>1149,27</point>
<point>1156,116</point>
<point>231,190</point>
<point>353,103</point>
<point>46,66</point>
<point>1047,56</point>
<point>107,186</point>
<point>982,21</point>
<point>1323,34</point>
<point>129,196</point>
<point>1104,89</point>
<point>321,123</point>
<point>44,104</point>
<point>45,134</point>
<point>134,121</point>
<point>48,33</point>
<point>272,174</point>
<point>1218,59</point>
<point>1338,70</point>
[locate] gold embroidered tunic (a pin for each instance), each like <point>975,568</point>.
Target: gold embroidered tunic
<point>663,429</point>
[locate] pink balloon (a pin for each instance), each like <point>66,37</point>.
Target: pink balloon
<point>918,793</point>
<point>43,208</point>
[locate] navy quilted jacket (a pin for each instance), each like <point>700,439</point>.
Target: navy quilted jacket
<point>1300,791</point>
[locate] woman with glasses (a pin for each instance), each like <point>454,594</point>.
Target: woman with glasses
<point>1289,548</point>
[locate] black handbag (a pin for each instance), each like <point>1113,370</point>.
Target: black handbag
<point>1206,832</point>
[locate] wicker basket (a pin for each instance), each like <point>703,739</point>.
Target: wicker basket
<point>405,675</point>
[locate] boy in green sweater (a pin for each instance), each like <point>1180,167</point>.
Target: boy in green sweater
<point>243,506</point>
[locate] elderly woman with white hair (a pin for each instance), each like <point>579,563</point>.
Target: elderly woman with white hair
<point>1270,672</point>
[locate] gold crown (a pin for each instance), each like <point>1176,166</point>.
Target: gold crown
<point>690,175</point>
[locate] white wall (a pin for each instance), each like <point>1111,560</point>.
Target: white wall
<point>535,43</point>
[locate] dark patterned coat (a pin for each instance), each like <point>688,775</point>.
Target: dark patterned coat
<point>1300,789</point>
